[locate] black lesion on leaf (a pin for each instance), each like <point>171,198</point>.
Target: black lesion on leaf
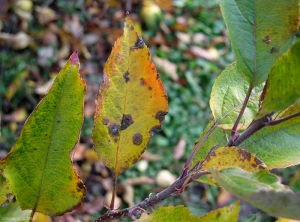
<point>105,121</point>
<point>126,76</point>
<point>274,49</point>
<point>160,115</point>
<point>267,39</point>
<point>149,87</point>
<point>157,76</point>
<point>155,129</point>
<point>113,129</point>
<point>131,27</point>
<point>80,187</point>
<point>139,44</point>
<point>137,139</point>
<point>142,82</point>
<point>126,121</point>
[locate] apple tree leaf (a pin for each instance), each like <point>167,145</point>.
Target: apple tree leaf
<point>38,167</point>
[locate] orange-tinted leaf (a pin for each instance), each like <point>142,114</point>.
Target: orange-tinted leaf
<point>131,103</point>
<point>38,167</point>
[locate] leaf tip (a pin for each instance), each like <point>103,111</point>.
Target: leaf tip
<point>74,58</point>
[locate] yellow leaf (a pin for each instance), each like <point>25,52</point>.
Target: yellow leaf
<point>225,214</point>
<point>231,157</point>
<point>131,103</point>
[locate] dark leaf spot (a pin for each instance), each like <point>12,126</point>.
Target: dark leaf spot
<point>245,155</point>
<point>113,129</point>
<point>267,39</point>
<point>157,75</point>
<point>131,28</point>
<point>160,115</point>
<point>213,154</point>
<point>126,76</point>
<point>149,87</point>
<point>257,161</point>
<point>154,129</point>
<point>274,49</point>
<point>126,121</point>
<point>142,82</point>
<point>139,44</point>
<point>80,187</point>
<point>105,121</point>
<point>137,139</point>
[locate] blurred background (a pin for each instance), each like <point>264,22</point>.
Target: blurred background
<point>189,45</point>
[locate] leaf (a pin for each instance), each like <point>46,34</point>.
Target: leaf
<point>170,214</point>
<point>283,83</point>
<point>260,32</point>
<point>281,219</point>
<point>277,146</point>
<point>38,167</point>
<point>131,103</point>
<point>229,213</point>
<point>227,97</point>
<point>231,157</point>
<point>217,138</point>
<point>261,189</point>
<point>13,212</point>
<point>180,213</point>
<point>5,190</point>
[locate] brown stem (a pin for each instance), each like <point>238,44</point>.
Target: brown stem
<point>253,128</point>
<point>148,203</point>
<point>31,215</point>
<point>191,157</point>
<point>112,203</point>
<point>234,133</point>
<point>278,121</point>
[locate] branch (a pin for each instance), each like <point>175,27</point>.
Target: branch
<point>259,124</point>
<point>191,157</point>
<point>278,121</point>
<point>148,203</point>
<point>234,133</point>
<point>254,127</point>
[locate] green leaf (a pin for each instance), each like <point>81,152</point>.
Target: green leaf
<point>5,190</point>
<point>260,32</point>
<point>261,189</point>
<point>283,83</point>
<point>170,214</point>
<point>229,213</point>
<point>277,146</point>
<point>235,158</point>
<point>131,103</point>
<point>13,212</point>
<point>217,138</point>
<point>227,97</point>
<point>38,167</point>
<point>181,213</point>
